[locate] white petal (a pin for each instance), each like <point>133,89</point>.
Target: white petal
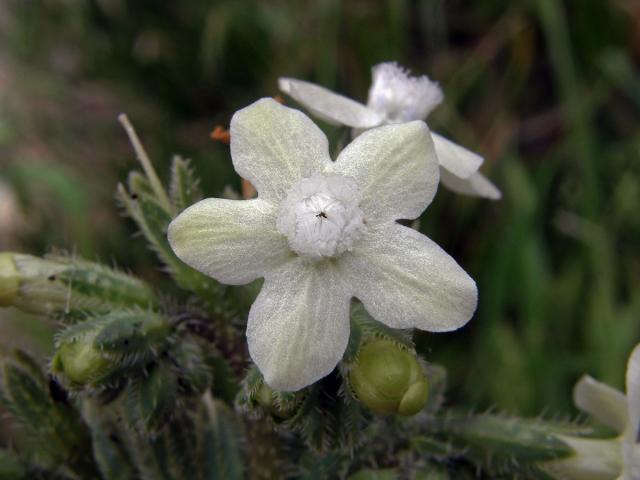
<point>458,160</point>
<point>405,280</point>
<point>274,146</point>
<point>631,455</point>
<point>604,403</point>
<point>395,168</point>
<point>233,241</point>
<point>329,106</point>
<point>633,392</point>
<point>299,325</point>
<point>476,185</point>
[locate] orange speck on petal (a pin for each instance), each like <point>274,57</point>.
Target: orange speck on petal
<point>279,99</point>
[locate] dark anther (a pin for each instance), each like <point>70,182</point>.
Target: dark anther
<point>51,278</point>
<point>134,196</point>
<point>321,215</point>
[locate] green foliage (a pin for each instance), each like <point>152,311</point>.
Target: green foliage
<point>57,435</point>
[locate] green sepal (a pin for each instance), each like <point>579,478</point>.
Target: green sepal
<point>191,362</point>
<point>56,433</point>
<point>365,328</point>
<point>132,333</point>
<point>495,441</point>
<point>151,399</point>
<point>110,456</point>
<point>222,439</point>
<point>66,286</point>
<point>96,352</point>
<point>171,455</point>
<point>184,189</point>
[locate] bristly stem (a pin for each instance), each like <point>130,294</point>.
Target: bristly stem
<point>143,158</point>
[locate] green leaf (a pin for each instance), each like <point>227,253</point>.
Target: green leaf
<point>185,186</point>
<point>493,439</point>
<point>150,400</point>
<point>223,456</point>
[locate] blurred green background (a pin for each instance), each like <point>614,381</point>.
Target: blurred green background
<point>547,90</point>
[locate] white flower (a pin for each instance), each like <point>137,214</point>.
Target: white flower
<point>617,458</point>
<point>396,97</point>
<point>322,232</point>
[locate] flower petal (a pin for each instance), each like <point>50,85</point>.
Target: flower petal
<point>633,392</point>
<point>405,280</point>
<point>476,185</point>
<point>233,241</point>
<point>329,106</point>
<point>298,327</point>
<point>604,403</point>
<point>458,160</point>
<point>395,168</point>
<point>274,146</point>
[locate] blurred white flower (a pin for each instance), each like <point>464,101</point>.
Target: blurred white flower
<point>616,458</point>
<point>322,232</point>
<point>396,97</point>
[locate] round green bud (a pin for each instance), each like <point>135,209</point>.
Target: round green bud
<point>81,363</point>
<point>389,379</point>
<point>9,280</point>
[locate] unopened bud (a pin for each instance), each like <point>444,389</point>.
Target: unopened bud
<point>64,285</point>
<point>93,352</point>
<point>592,458</point>
<point>81,363</point>
<point>388,378</point>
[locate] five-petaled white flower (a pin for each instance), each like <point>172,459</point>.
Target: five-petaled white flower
<point>322,232</point>
<point>396,97</point>
<point>617,458</point>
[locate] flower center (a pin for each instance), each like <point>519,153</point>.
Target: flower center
<point>401,97</point>
<point>321,216</point>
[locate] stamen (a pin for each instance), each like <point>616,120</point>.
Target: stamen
<point>321,216</point>
<point>400,96</point>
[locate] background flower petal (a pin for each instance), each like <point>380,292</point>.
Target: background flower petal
<point>633,392</point>
<point>329,106</point>
<point>455,158</point>
<point>604,403</point>
<point>477,185</point>
<point>274,146</point>
<point>233,241</point>
<point>299,325</point>
<point>395,168</point>
<point>406,280</point>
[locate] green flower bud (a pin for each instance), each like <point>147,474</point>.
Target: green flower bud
<point>9,280</point>
<point>388,378</point>
<point>63,285</point>
<point>81,363</point>
<point>93,352</point>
